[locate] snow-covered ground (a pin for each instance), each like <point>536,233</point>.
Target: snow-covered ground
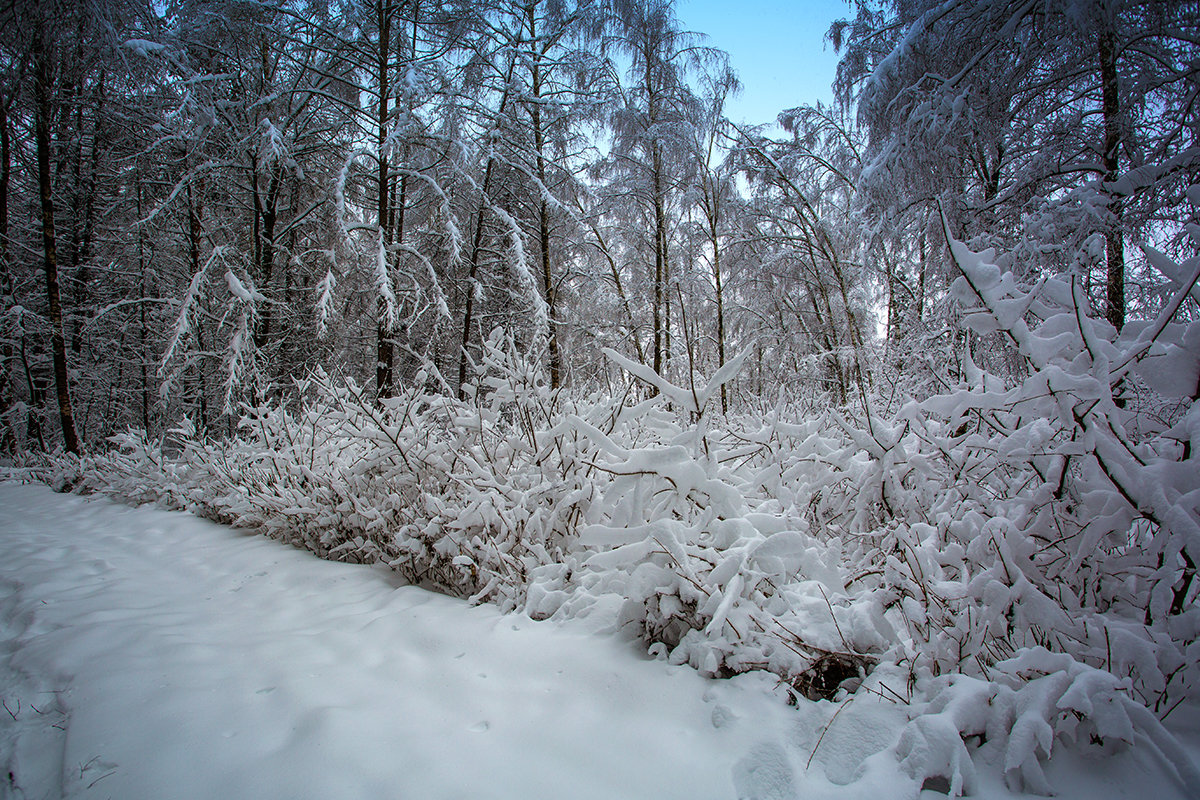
<point>151,654</point>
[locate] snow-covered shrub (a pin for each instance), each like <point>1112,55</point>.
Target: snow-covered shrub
<point>1051,510</point>
<point>1030,701</point>
<point>465,496</point>
<point>1026,537</point>
<point>1019,548</point>
<point>705,563</point>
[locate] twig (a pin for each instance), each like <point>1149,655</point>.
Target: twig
<point>825,730</point>
<point>833,616</point>
<point>102,777</point>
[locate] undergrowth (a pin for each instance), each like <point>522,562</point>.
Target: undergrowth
<point>1012,555</point>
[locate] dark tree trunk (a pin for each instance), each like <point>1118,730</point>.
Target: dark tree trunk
<point>385,351</point>
<point>539,141</point>
<point>84,205</point>
<point>716,246</point>
<point>1114,235</point>
<point>268,210</point>
<point>477,244</point>
<point>660,218</point>
<point>666,300</point>
<point>469,305</point>
<point>920,317</point>
<point>194,231</point>
<point>42,89</point>
<point>660,233</point>
<point>7,440</point>
<point>5,175</point>
<point>142,332</point>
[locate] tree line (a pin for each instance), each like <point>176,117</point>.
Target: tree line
<point>201,202</point>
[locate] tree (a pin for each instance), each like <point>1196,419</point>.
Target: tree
<point>43,110</point>
<point>1017,119</point>
<point>717,193</point>
<point>802,217</point>
<point>650,131</point>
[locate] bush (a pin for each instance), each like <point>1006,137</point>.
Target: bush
<point>1018,548</point>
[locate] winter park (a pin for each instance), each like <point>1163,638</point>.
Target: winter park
<point>599,399</point>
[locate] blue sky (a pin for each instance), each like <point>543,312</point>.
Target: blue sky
<point>777,47</point>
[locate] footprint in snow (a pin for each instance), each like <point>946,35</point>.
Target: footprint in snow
<point>764,774</point>
<point>722,716</point>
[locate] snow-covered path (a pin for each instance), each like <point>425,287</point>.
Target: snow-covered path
<point>151,655</point>
<point>155,655</point>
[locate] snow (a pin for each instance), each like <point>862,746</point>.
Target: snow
<point>143,47</point>
<point>152,654</point>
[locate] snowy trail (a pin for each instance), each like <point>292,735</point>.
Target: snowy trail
<point>193,661</point>
<point>151,655</point>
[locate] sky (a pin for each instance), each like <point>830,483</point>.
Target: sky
<point>777,47</point>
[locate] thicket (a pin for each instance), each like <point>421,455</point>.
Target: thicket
<point>1011,555</point>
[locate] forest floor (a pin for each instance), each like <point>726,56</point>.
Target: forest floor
<point>152,655</point>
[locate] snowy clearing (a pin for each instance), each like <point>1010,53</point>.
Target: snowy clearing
<point>151,654</point>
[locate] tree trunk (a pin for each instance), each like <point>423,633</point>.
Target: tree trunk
<point>716,246</point>
<point>666,296</point>
<point>539,140</point>
<point>83,231</point>
<point>42,82</point>
<point>194,231</point>
<point>8,441</point>
<point>920,318</point>
<point>266,218</point>
<point>33,421</point>
<point>142,333</point>
<point>469,305</point>
<point>660,234</point>
<point>660,221</point>
<point>5,175</point>
<point>1114,237</point>
<point>385,350</point>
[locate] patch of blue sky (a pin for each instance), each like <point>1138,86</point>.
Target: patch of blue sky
<point>777,47</point>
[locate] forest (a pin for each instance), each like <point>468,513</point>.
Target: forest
<point>895,395</point>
